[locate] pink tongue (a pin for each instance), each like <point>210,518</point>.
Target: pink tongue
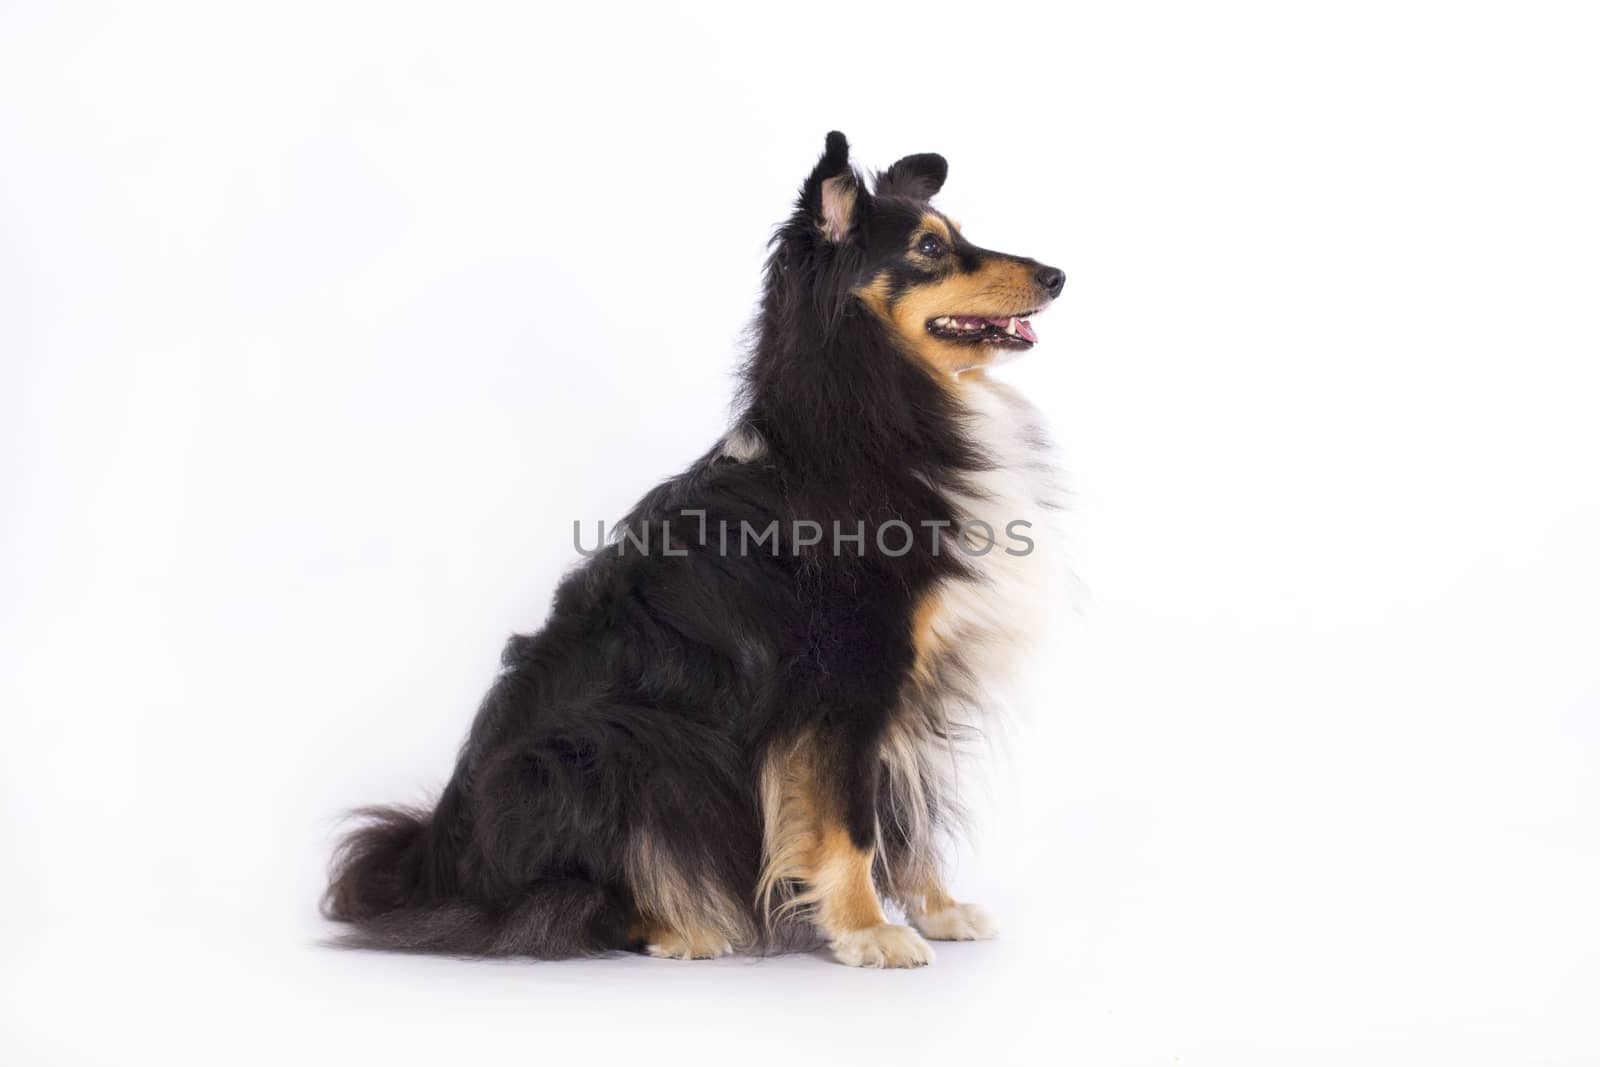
<point>1024,327</point>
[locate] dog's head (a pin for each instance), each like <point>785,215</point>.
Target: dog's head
<point>947,302</point>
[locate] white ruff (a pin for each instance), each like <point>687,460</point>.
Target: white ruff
<point>982,626</point>
<point>991,620</point>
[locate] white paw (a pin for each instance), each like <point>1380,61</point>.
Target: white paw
<point>675,947</point>
<point>884,945</point>
<point>958,922</point>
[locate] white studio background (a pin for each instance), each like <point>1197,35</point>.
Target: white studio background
<point>321,322</point>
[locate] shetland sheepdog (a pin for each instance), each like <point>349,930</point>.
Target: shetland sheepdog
<point>735,731</point>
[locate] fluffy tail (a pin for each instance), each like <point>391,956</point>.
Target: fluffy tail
<point>381,883</point>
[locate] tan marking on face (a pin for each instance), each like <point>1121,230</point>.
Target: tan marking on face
<point>875,295</point>
<point>935,225</point>
<point>999,287</point>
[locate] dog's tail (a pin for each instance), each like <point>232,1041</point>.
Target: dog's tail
<point>382,884</point>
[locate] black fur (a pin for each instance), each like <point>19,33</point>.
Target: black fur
<point>647,703</point>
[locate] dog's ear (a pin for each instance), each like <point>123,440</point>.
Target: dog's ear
<point>918,176</point>
<point>833,196</point>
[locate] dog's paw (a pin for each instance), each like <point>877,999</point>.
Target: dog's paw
<point>672,946</point>
<point>884,945</point>
<point>958,922</point>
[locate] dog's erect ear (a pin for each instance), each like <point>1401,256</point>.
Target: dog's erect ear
<point>833,195</point>
<point>918,176</point>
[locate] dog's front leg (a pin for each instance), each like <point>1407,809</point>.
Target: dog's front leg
<point>849,912</point>
<point>820,841</point>
<point>940,917</point>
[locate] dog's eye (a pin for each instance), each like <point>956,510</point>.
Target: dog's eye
<point>930,246</point>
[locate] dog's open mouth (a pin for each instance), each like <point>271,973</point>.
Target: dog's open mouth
<point>1007,331</point>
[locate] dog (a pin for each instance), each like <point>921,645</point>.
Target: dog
<point>715,746</point>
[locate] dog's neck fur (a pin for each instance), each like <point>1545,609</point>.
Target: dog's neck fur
<point>837,403</point>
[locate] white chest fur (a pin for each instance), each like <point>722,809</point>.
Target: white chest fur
<point>973,630</point>
<point>990,619</point>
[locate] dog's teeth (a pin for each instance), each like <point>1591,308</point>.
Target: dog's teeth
<point>1011,327</point>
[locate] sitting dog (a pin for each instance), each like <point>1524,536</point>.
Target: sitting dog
<point>738,724</point>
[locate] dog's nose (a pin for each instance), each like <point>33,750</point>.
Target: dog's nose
<point>1052,280</point>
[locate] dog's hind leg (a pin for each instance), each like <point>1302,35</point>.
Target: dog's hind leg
<point>701,942</point>
<point>679,915</point>
<point>635,799</point>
